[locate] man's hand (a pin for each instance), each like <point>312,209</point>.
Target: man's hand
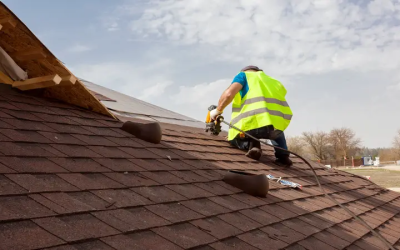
<point>214,114</point>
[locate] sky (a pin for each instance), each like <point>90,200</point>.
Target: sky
<point>338,59</point>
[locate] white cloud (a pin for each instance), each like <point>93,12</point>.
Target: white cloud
<point>154,91</point>
<point>337,58</point>
<point>126,77</point>
<point>288,36</point>
<point>194,100</point>
<point>79,48</point>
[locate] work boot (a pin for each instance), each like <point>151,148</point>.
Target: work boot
<point>284,161</point>
<point>254,153</point>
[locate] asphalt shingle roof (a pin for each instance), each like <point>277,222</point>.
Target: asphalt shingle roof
<point>71,179</point>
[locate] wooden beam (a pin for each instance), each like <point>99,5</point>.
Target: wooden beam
<point>38,82</point>
<point>67,80</point>
<point>5,78</point>
<point>8,23</point>
<point>30,54</point>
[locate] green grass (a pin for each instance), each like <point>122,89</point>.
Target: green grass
<point>382,177</point>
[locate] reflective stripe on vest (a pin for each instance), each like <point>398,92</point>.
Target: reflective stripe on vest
<point>263,105</point>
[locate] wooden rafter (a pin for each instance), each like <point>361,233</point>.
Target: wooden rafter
<point>5,78</point>
<point>30,54</point>
<point>67,80</point>
<point>7,23</point>
<point>38,82</point>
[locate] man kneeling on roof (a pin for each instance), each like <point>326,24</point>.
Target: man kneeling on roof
<point>260,109</point>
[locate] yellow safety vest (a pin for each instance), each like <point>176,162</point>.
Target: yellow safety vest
<point>263,105</point>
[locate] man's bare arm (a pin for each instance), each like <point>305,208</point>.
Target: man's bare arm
<point>228,95</point>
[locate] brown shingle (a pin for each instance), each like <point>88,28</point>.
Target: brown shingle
<point>232,243</point>
<point>131,179</point>
<point>88,181</point>
<point>190,191</point>
<point>261,240</point>
<point>163,177</point>
<point>119,165</point>
<point>174,212</point>
<point>131,219</point>
<point>229,202</point>
<point>60,138</point>
<point>8,187</point>
<point>261,216</point>
<point>76,227</point>
<point>31,165</point>
<point>159,194</point>
<point>41,182</point>
<point>61,203</point>
<point>205,207</point>
<point>122,197</point>
<point>217,227</point>
<point>21,207</point>
<point>26,125</point>
<point>26,235</point>
<point>189,176</point>
<point>283,233</point>
<point>5,170</point>
<point>185,235</point>
<point>140,153</point>
<point>24,149</point>
<point>140,240</point>
<point>75,150</point>
<point>214,187</point>
<point>94,140</point>
<point>81,165</point>
<point>150,165</point>
<point>241,221</point>
<point>110,152</point>
<point>314,243</point>
<point>24,136</point>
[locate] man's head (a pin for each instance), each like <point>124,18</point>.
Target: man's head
<point>251,68</point>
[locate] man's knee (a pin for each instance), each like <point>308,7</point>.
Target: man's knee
<point>240,143</point>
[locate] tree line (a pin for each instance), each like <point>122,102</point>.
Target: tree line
<point>338,144</point>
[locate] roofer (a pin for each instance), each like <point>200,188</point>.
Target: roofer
<point>260,109</point>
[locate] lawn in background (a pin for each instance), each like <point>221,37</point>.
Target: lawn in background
<point>382,177</point>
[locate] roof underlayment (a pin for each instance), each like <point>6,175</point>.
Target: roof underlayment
<point>71,179</point>
<point>125,106</point>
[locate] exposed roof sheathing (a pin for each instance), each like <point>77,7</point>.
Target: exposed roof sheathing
<point>126,107</point>
<point>71,179</point>
<point>34,58</point>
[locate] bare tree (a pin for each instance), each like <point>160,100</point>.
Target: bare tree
<point>296,144</point>
<point>344,141</point>
<point>318,144</point>
<point>396,145</point>
<point>387,154</point>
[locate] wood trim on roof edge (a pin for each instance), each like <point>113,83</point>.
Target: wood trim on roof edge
<point>71,90</point>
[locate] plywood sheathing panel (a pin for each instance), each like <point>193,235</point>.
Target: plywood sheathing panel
<point>5,78</point>
<point>20,42</point>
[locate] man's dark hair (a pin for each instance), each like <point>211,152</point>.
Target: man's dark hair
<point>251,67</point>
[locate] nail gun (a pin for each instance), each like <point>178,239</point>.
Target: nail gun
<point>213,126</point>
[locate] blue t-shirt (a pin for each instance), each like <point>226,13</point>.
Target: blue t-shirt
<point>241,78</point>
